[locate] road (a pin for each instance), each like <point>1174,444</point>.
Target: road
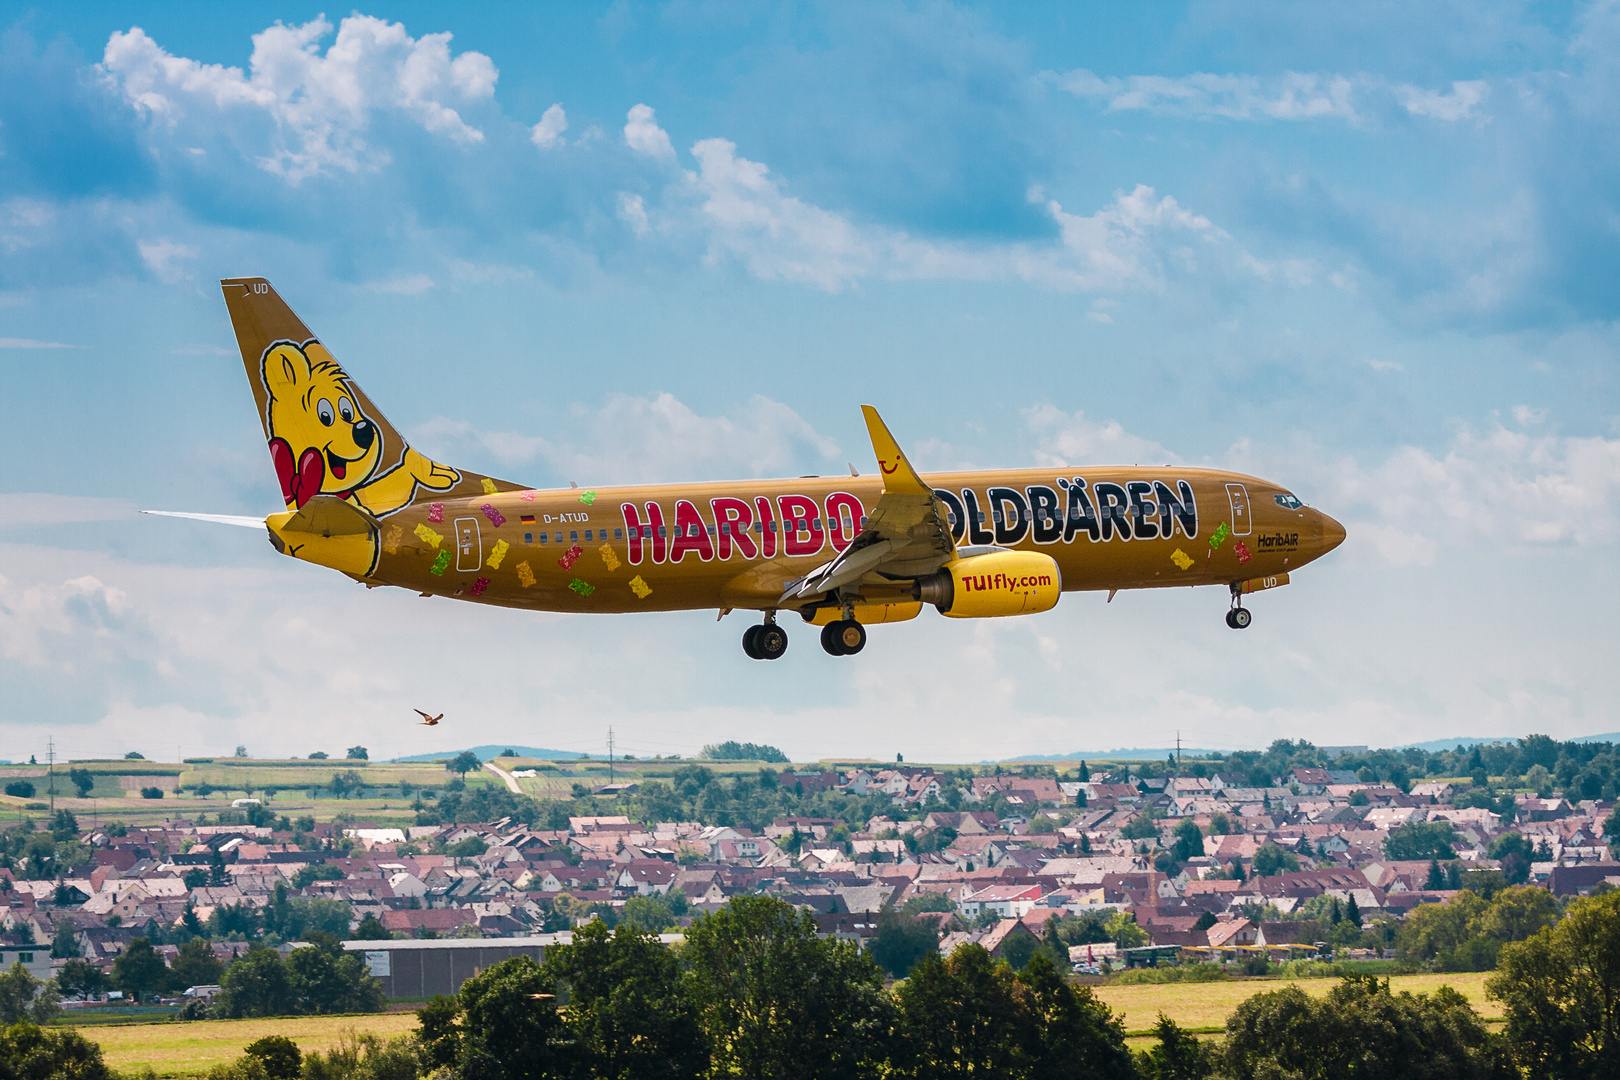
<point>511,781</point>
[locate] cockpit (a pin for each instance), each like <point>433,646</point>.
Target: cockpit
<point>1288,502</point>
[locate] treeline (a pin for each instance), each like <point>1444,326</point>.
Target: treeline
<point>1582,770</point>
<point>755,993</point>
<point>732,750</point>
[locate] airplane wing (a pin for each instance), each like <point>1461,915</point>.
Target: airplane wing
<point>907,534</point>
<point>217,519</point>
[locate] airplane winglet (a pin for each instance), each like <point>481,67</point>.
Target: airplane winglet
<point>898,475</point>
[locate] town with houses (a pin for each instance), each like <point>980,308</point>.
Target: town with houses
<point>1052,848</point>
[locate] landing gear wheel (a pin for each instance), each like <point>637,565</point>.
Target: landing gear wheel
<point>770,641</point>
<point>829,639</point>
<point>1239,618</point>
<point>851,636</point>
<point>751,643</point>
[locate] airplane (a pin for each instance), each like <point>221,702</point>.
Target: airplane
<point>843,553</point>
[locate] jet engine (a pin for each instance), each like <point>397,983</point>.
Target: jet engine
<point>997,583</point>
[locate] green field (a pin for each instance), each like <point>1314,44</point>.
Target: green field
<point>190,1049</point>
<point>1207,1005</point>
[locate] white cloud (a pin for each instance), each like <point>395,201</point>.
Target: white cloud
<point>1386,365</point>
<point>633,212</point>
<point>1494,489</point>
<point>776,236</point>
<point>1459,104</point>
<point>31,509</point>
<point>31,343</point>
<point>409,285</point>
<point>1069,439</point>
<point>643,135</point>
<point>739,211</point>
<point>1292,95</point>
<point>1526,416</point>
<point>163,257</point>
<point>317,105</point>
<point>653,440</point>
<point>548,132</point>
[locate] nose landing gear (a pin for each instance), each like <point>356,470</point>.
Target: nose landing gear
<point>1239,617</point>
<point>767,641</point>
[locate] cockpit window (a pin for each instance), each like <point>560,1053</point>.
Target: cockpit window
<point>1288,502</point>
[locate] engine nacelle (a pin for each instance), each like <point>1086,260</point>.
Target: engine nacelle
<point>995,584</point>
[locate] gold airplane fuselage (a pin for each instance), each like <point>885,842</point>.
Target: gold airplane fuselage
<point>732,545</point>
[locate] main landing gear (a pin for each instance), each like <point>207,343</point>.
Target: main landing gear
<point>1239,617</point>
<point>767,641</point>
<point>843,637</point>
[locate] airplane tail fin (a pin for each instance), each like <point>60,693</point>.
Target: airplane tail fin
<point>325,436</point>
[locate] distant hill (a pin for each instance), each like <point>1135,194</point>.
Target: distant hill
<point>485,753</point>
<point>1613,736</point>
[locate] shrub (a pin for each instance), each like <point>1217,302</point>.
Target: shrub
<point>155,792</point>
<point>1186,973</point>
<point>20,789</point>
<point>279,1055</point>
<point>29,1051</point>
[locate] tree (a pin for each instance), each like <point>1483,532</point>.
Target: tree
<point>325,979</point>
<point>960,1017</point>
<point>66,941</point>
<point>134,755</point>
<point>346,783</point>
<point>28,1051</point>
<point>1072,1035</point>
<point>20,789</point>
<point>463,763</point>
<point>81,978</point>
<point>255,985</point>
<point>1420,840</point>
<point>196,965</point>
<point>510,1028</point>
<point>357,753</point>
<point>1189,841</point>
<point>217,875</point>
<point>64,826</point>
<point>315,872</point>
<point>1611,829</point>
<point>1177,1055</point>
<point>371,930</point>
<point>438,1033</point>
<point>83,780</point>
<point>279,1055</point>
<point>1124,932</point>
<point>732,750</point>
<point>902,940</point>
<point>1271,859</point>
<point>1437,876</point>
<point>1361,1029</point>
<point>195,878</point>
<point>777,1000</point>
<point>648,914</point>
<point>626,1007</point>
<point>1516,854</point>
<point>1560,990</point>
<point>139,969</point>
<point>23,997</point>
<point>1468,932</point>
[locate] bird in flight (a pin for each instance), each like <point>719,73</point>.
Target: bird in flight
<point>429,721</point>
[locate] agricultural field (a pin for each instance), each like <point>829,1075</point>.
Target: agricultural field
<point>191,1049</point>
<point>174,1049</point>
<point>1203,1006</point>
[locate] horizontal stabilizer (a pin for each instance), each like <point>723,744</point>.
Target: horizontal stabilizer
<point>217,519</point>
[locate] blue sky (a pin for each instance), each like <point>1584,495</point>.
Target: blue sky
<point>1366,250</point>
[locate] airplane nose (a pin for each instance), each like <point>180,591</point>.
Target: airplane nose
<point>1331,531</point>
